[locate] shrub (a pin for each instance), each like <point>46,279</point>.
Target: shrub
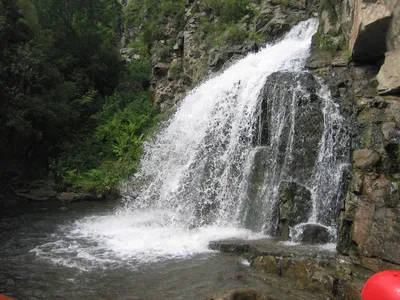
<point>230,10</point>
<point>99,162</point>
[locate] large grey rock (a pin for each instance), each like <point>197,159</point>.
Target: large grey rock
<point>37,191</point>
<point>365,159</point>
<point>391,132</point>
<point>389,74</point>
<point>76,197</point>
<point>370,26</point>
<point>295,205</point>
<point>285,103</point>
<point>393,37</point>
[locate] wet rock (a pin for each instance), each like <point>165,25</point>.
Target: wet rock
<point>280,90</point>
<point>235,247</point>
<point>391,132</point>
<point>389,74</point>
<point>368,226</point>
<point>310,274</point>
<point>365,159</point>
<point>76,197</point>
<point>370,26</point>
<point>295,206</point>
<point>270,247</point>
<point>33,197</point>
<point>330,279</point>
<point>256,183</point>
<point>312,234</point>
<point>36,191</point>
<point>243,294</point>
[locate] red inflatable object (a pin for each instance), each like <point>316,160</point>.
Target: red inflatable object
<point>382,286</point>
<point>2,297</point>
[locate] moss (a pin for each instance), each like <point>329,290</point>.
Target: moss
<point>367,137</point>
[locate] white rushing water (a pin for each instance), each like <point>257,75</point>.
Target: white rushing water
<point>193,178</point>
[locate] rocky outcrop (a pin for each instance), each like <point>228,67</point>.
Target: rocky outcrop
<point>389,74</point>
<point>295,206</point>
<point>370,26</point>
<point>36,191</point>
<point>182,58</point>
<point>307,267</point>
<point>44,191</point>
<point>69,197</point>
<point>365,159</point>
<point>368,230</point>
<point>368,225</point>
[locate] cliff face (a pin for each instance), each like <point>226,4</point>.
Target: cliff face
<point>357,52</point>
<point>206,44</point>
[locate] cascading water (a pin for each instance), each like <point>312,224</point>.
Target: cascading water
<point>195,183</point>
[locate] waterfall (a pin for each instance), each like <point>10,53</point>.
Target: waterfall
<point>197,168</point>
<point>215,170</point>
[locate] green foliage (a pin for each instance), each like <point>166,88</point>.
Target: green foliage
<point>112,153</point>
<point>235,34</point>
<point>152,16</point>
<point>329,43</point>
<point>230,10</point>
<point>139,72</point>
<point>139,47</point>
<point>66,99</point>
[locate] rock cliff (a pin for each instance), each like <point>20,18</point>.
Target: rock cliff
<point>355,51</point>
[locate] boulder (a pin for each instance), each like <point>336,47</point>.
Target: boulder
<point>389,74</point>
<point>312,234</point>
<point>295,206</point>
<point>284,103</point>
<point>76,197</point>
<point>371,23</point>
<point>391,132</point>
<point>365,159</point>
<point>37,191</point>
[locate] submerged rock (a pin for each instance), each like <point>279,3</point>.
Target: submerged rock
<point>312,234</point>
